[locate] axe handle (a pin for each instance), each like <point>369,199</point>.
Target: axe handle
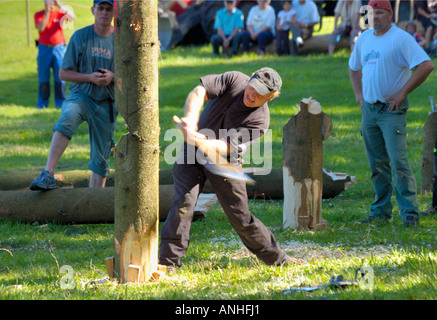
<point>215,157</point>
<point>223,166</point>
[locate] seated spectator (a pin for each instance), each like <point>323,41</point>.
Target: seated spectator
<point>229,22</point>
<point>260,26</point>
<point>307,16</point>
<point>349,13</point>
<point>285,18</point>
<point>411,28</point>
<point>424,14</point>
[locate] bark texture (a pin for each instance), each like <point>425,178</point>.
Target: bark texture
<point>137,153</point>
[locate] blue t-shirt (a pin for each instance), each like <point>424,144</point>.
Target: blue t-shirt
<point>228,22</point>
<point>86,53</point>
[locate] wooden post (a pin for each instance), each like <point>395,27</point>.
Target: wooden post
<point>303,166</point>
<point>429,138</point>
<point>136,203</point>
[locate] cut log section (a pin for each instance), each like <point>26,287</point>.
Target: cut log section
<point>80,205</point>
<point>429,138</point>
<point>268,185</point>
<point>303,167</point>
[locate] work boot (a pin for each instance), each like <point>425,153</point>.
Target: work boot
<point>411,221</point>
<point>430,210</point>
<point>43,182</point>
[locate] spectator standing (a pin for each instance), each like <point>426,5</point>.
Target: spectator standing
<point>425,11</point>
<point>51,50</point>
<point>260,26</point>
<point>285,17</point>
<point>386,65</point>
<point>229,22</point>
<point>307,16</point>
<point>348,11</point>
<point>88,63</point>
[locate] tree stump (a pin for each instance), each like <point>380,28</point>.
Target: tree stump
<point>429,137</point>
<point>303,166</point>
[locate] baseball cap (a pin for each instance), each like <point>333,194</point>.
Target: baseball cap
<point>265,80</point>
<point>111,2</point>
<point>380,4</point>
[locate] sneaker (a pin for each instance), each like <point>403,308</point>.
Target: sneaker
<point>44,181</point>
<point>299,42</point>
<point>411,221</point>
<point>430,210</point>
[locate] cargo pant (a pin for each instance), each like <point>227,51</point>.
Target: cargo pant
<point>189,180</point>
<point>385,139</point>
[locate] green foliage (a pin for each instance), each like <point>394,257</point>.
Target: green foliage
<point>217,266</point>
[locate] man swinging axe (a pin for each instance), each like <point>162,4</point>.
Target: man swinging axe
<point>237,104</point>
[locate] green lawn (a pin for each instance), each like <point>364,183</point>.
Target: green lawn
<point>217,266</point>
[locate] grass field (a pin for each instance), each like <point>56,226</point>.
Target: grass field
<point>217,266</point>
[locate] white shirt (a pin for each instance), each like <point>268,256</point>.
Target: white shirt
<point>347,13</point>
<point>259,19</point>
<point>285,16</point>
<point>385,61</point>
<point>307,12</point>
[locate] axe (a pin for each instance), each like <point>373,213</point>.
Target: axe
<point>218,164</point>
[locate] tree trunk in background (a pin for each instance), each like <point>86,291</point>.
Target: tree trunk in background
<point>303,166</point>
<point>137,153</point>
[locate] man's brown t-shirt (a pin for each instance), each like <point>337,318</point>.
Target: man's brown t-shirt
<point>225,116</point>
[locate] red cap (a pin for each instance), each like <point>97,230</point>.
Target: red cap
<point>380,4</point>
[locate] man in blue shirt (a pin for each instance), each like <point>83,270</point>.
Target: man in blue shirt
<point>228,22</point>
<point>89,65</point>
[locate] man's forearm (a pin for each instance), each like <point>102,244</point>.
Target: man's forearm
<point>355,77</point>
<point>73,76</point>
<point>420,73</point>
<point>193,104</point>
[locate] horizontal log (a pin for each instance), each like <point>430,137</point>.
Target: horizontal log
<point>315,44</point>
<point>80,205</point>
<point>268,186</point>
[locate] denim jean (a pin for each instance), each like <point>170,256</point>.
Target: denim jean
<point>263,39</point>
<point>50,58</point>
<point>101,118</point>
<point>217,41</point>
<point>385,139</point>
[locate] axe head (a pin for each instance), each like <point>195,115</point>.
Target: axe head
<point>220,166</point>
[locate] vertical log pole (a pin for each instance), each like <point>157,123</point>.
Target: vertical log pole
<point>303,167</point>
<point>429,137</point>
<point>136,196</point>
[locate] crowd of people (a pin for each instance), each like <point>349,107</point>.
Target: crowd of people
<point>386,65</point>
<point>297,19</point>
<point>263,26</point>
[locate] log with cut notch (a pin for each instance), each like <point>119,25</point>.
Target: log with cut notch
<point>302,143</point>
